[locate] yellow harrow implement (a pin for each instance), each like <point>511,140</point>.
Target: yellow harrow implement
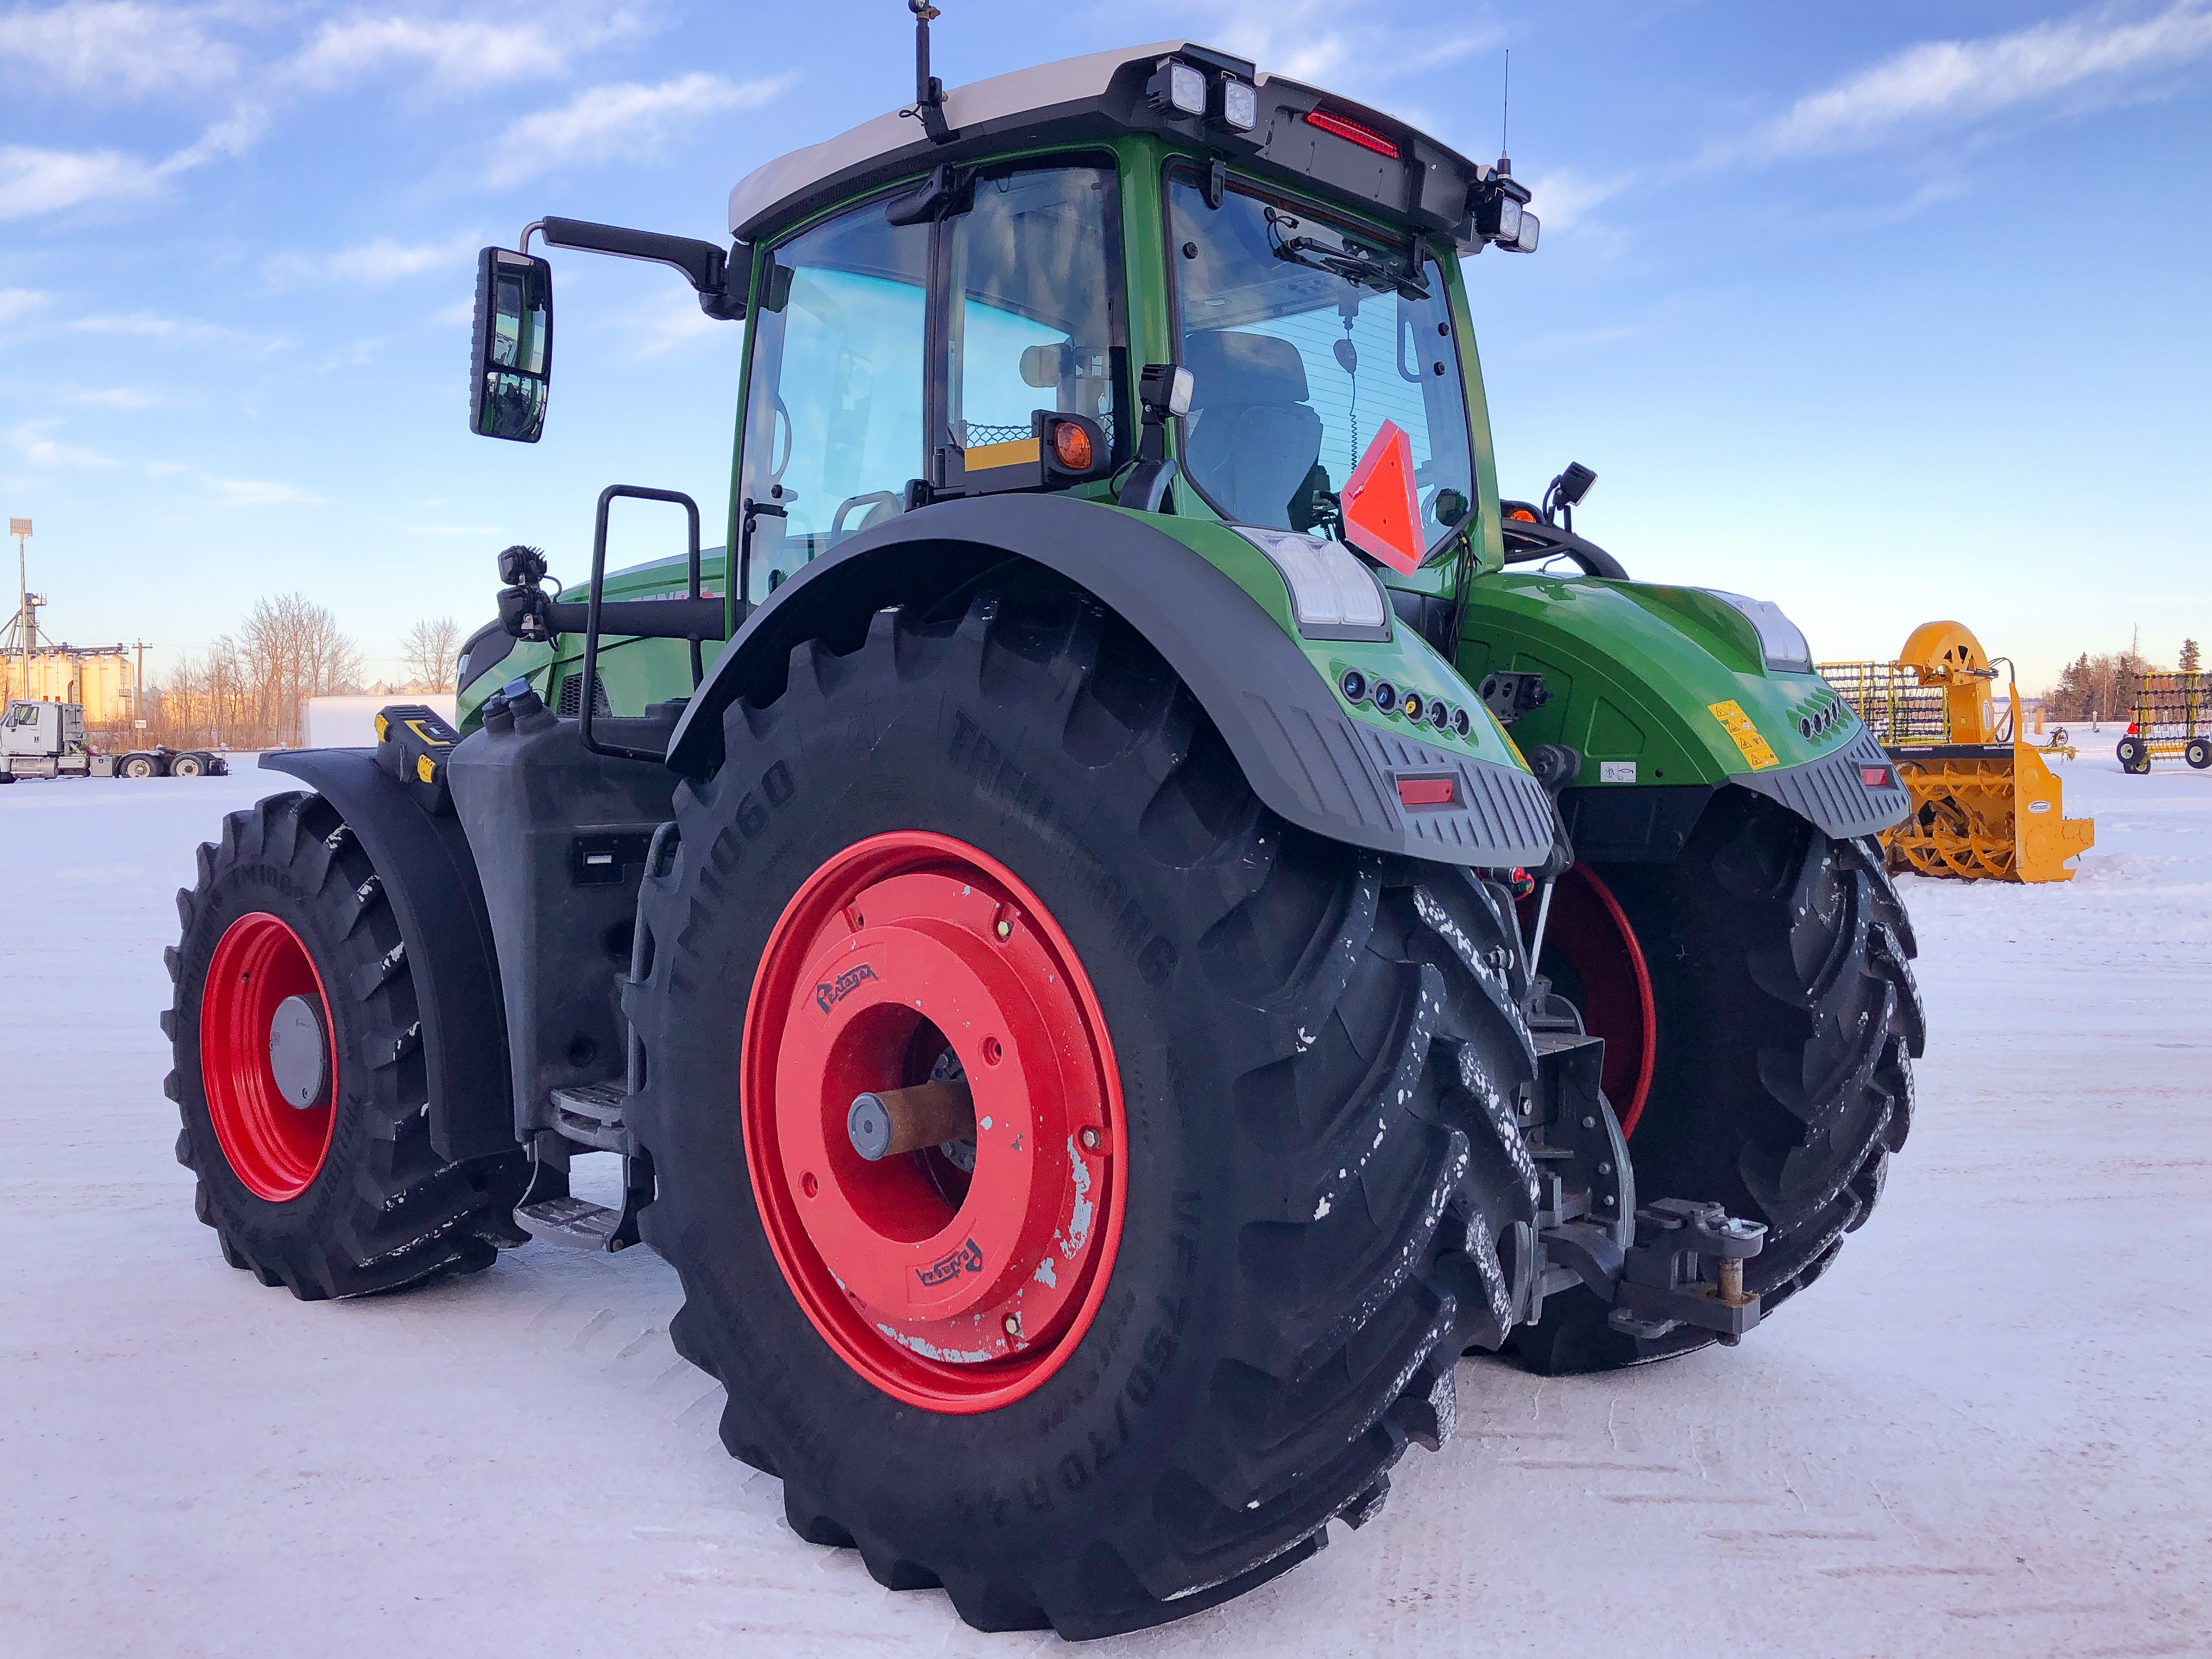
<point>1986,805</point>
<point>2172,716</point>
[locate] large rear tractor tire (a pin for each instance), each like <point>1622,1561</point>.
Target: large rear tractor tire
<point>299,1069</point>
<point>1220,1234</point>
<point>1782,1022</point>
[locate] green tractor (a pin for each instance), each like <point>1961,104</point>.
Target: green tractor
<point>1083,983</point>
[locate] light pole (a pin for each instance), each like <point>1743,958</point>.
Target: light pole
<point>20,530</point>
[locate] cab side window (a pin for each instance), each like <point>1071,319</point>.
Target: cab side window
<point>1035,321</point>
<point>833,416</point>
<point>876,345</point>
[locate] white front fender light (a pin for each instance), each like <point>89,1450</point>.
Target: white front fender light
<point>1781,642</point>
<point>1332,594</point>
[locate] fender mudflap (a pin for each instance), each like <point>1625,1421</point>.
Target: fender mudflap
<point>1307,760</point>
<point>429,876</point>
<point>1854,792</point>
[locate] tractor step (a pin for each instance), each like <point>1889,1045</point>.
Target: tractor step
<point>591,1114</point>
<point>575,1222</point>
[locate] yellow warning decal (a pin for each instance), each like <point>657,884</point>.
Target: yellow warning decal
<point>424,769</point>
<point>1756,749</point>
<point>380,724</point>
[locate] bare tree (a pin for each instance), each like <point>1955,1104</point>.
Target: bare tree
<point>428,651</point>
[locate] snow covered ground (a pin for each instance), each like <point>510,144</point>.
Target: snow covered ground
<point>1985,1433</point>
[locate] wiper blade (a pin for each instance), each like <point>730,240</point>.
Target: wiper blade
<point>1353,267</point>
<point>1343,261</point>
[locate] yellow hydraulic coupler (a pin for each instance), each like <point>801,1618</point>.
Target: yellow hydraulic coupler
<point>1986,805</point>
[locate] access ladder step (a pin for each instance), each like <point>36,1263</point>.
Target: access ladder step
<point>592,1114</point>
<point>575,1222</point>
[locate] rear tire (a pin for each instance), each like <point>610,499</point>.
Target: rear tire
<point>137,766</point>
<point>1295,1025</point>
<point>187,766</point>
<point>1787,1023</point>
<point>375,1208</point>
<point>2199,754</point>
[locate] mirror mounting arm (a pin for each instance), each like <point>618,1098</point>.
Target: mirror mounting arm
<point>707,267</point>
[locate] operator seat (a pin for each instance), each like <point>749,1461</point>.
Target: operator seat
<point>1251,437</point>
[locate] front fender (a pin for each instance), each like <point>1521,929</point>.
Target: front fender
<point>1304,754</point>
<point>429,876</point>
<point>1664,694</point>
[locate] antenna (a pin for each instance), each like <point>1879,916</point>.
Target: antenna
<point>928,90</point>
<point>1505,114</point>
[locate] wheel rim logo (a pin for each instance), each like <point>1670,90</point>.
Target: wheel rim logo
<point>965,1259</point>
<point>830,993</point>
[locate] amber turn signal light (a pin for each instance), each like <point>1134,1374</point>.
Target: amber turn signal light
<point>1071,444</point>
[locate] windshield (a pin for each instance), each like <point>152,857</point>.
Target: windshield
<point>1301,338</point>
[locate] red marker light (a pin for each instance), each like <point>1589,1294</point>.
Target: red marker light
<point>1874,777</point>
<point>1365,137</point>
<point>1426,791</point>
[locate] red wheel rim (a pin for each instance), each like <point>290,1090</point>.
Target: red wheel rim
<point>274,1148</point>
<point>1588,928</point>
<point>953,1299</point>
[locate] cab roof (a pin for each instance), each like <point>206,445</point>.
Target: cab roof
<point>1396,170</point>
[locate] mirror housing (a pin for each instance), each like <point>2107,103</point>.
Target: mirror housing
<point>511,353</point>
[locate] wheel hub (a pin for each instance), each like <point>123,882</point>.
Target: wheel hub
<point>299,1052</point>
<point>954,1289</point>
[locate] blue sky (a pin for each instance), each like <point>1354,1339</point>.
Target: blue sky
<point>1885,312</point>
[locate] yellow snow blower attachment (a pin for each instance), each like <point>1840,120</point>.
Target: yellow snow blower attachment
<point>1986,805</point>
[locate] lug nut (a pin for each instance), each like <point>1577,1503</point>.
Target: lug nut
<point>1092,1141</point>
<point>1013,1324</point>
<point>1005,928</point>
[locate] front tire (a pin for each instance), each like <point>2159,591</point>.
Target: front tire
<point>1300,1232</point>
<point>333,1192</point>
<point>2134,755</point>
<point>1786,1022</point>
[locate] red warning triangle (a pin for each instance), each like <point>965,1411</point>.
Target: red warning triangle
<point>1381,514</point>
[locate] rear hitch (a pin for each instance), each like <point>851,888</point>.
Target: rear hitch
<point>1685,1267</point>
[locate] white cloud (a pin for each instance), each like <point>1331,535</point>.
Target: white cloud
<point>1562,199</point>
<point>46,180</point>
<point>19,302</point>
<point>262,492</point>
<point>33,181</point>
<point>115,396</point>
<point>456,52</point>
<point>626,120</point>
<point>1948,83</point>
<point>117,47</point>
<point>40,451</point>
<point>172,330</point>
<point>375,265</point>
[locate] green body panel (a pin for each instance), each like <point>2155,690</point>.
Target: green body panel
<point>1633,669</point>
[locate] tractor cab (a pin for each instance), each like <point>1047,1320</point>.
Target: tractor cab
<point>1156,278</point>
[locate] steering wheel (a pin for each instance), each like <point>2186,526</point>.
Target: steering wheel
<point>875,500</point>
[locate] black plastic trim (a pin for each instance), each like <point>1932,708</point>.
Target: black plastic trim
<point>1306,759</point>
<point>429,876</point>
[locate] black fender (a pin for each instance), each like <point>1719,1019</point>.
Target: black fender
<point>1307,761</point>
<point>429,876</point>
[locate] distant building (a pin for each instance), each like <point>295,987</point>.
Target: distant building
<point>98,676</point>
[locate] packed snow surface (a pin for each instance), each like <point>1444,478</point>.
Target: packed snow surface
<point>1984,1432</point>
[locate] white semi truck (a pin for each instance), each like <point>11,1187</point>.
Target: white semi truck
<point>47,740</point>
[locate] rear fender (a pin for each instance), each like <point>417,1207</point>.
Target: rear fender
<point>429,876</point>
<point>1279,712</point>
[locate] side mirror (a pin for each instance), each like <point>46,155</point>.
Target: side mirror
<point>511,356</point>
